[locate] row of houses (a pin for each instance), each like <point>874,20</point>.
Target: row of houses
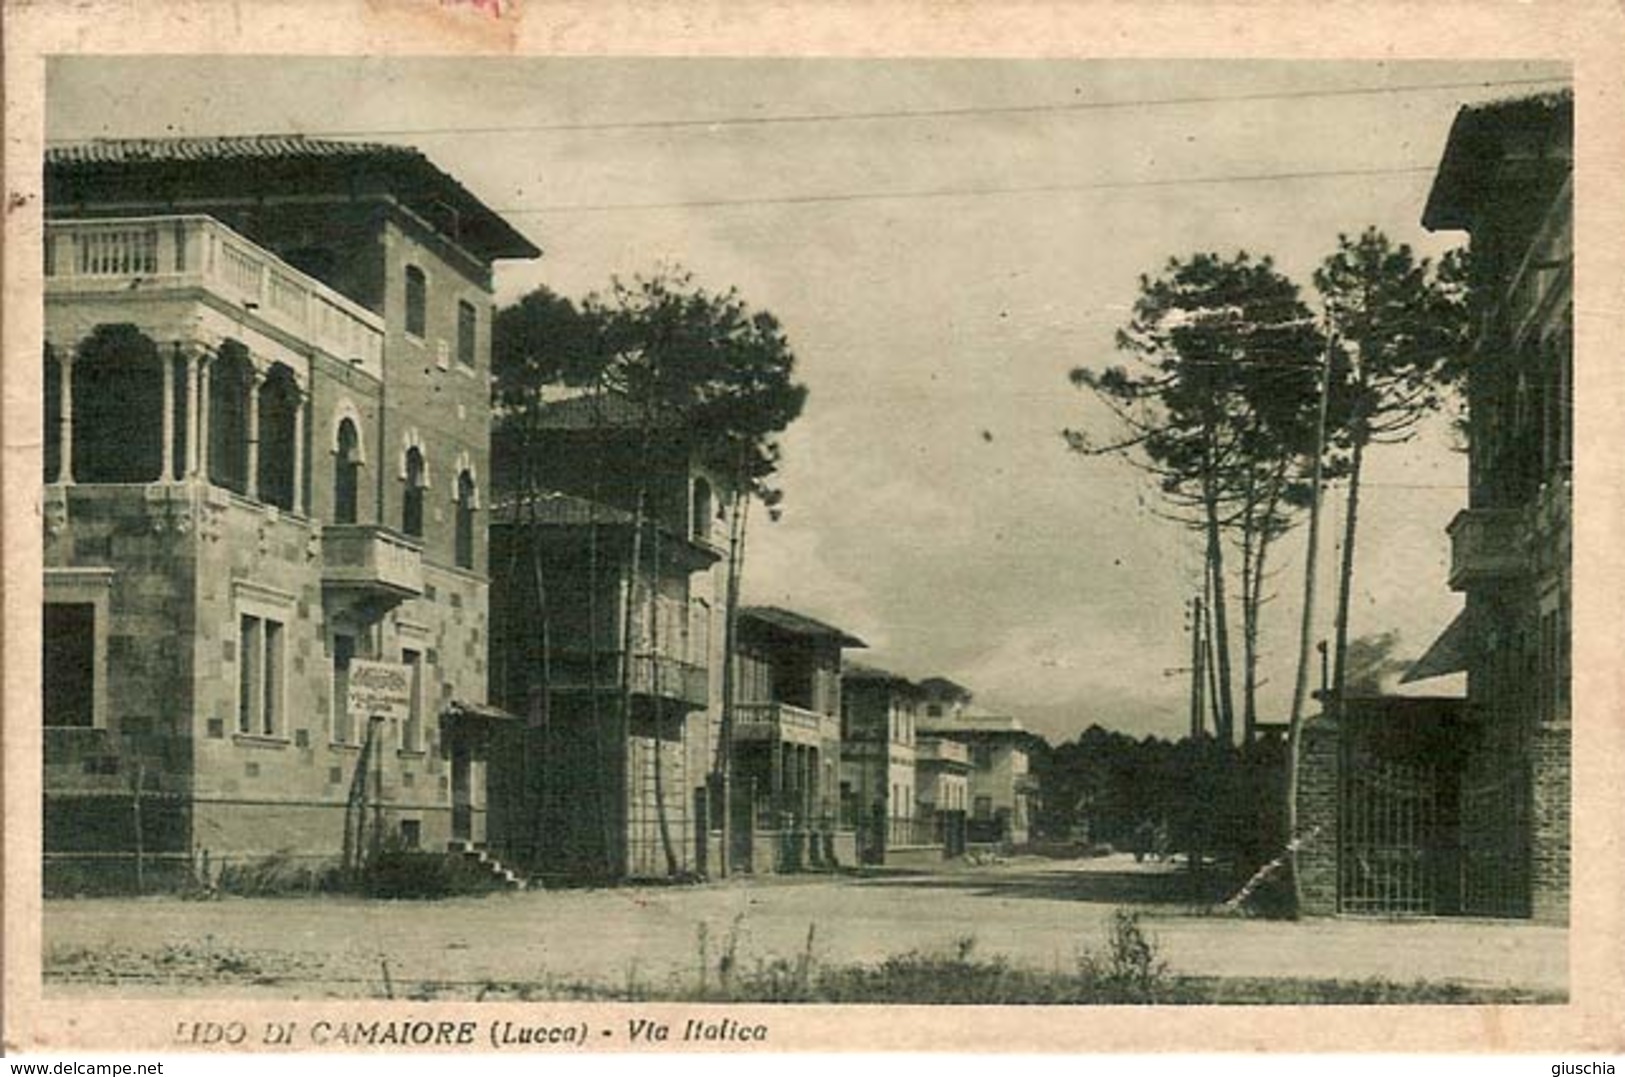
<point>298,604</point>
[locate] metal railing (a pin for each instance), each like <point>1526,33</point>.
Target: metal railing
<point>912,831</point>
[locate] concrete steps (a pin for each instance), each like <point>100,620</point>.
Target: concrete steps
<point>477,855</point>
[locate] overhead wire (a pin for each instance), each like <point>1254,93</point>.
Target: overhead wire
<point>804,118</point>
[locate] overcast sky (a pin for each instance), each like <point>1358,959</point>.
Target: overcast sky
<point>938,276</point>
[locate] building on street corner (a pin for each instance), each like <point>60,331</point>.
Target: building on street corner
<point>266,439</point>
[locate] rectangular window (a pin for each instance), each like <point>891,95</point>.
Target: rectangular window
<point>467,321</point>
<point>260,663</point>
<point>984,808</point>
<point>417,302</point>
<point>250,647</point>
<point>343,720</point>
<point>412,731</point>
<point>70,664</point>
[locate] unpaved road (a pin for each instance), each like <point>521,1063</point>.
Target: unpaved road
<point>1034,912</point>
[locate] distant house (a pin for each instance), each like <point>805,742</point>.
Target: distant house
<point>266,441</point>
<point>786,744</point>
<point>1451,808</point>
<point>879,730</point>
<point>942,791</point>
<point>611,662</point>
<point>1003,789</point>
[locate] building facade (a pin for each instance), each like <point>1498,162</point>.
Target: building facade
<point>1506,180</point>
<point>1003,789</point>
<point>879,731</point>
<point>1476,811</point>
<point>942,791</point>
<point>603,637</point>
<point>785,751</point>
<point>267,428</point>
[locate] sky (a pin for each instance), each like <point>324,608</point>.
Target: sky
<point>943,241</point>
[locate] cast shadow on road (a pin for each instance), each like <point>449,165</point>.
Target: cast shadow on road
<point>1104,887</point>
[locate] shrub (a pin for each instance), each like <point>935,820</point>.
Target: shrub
<point>398,872</point>
<point>1130,971</point>
<point>277,875</point>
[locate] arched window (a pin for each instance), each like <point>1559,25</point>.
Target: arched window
<point>466,494</point>
<point>700,516</point>
<point>412,499</point>
<point>346,472</point>
<point>279,401</point>
<point>417,301</point>
<point>231,379</point>
<point>118,396</point>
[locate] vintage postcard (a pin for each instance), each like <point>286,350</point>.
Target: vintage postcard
<point>596,529</point>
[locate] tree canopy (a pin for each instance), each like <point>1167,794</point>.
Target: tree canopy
<point>678,353</point>
<point>1220,407</point>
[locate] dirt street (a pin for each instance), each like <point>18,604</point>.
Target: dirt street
<point>1034,912</point>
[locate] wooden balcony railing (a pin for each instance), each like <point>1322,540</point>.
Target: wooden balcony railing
<point>657,675</point>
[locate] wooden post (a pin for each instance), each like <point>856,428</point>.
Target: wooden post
<point>374,726</point>
<point>140,848</point>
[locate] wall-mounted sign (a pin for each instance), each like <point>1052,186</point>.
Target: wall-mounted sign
<point>380,689</point>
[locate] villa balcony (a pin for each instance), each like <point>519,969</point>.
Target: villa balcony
<point>657,676</point>
<point>785,724</point>
<point>178,256</point>
<point>371,559</point>
<point>1486,545</point>
<point>950,754</point>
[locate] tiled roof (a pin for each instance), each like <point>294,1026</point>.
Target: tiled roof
<point>606,410</point>
<point>858,671</point>
<point>99,168</point>
<point>561,510</point>
<point>1478,138</point>
<point>798,624</point>
<point>216,148</point>
<point>554,509</point>
<point>994,725</point>
<point>942,686</point>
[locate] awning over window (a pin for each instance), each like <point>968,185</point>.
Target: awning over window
<point>1447,655</point>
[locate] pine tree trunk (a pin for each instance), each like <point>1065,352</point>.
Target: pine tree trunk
<point>1345,578</point>
<point>1221,625</point>
<point>1300,688</point>
<point>730,610</point>
<point>1251,541</point>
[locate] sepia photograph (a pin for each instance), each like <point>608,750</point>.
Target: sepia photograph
<point>758,533</point>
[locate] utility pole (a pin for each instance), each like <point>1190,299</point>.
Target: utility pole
<point>1198,672</point>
